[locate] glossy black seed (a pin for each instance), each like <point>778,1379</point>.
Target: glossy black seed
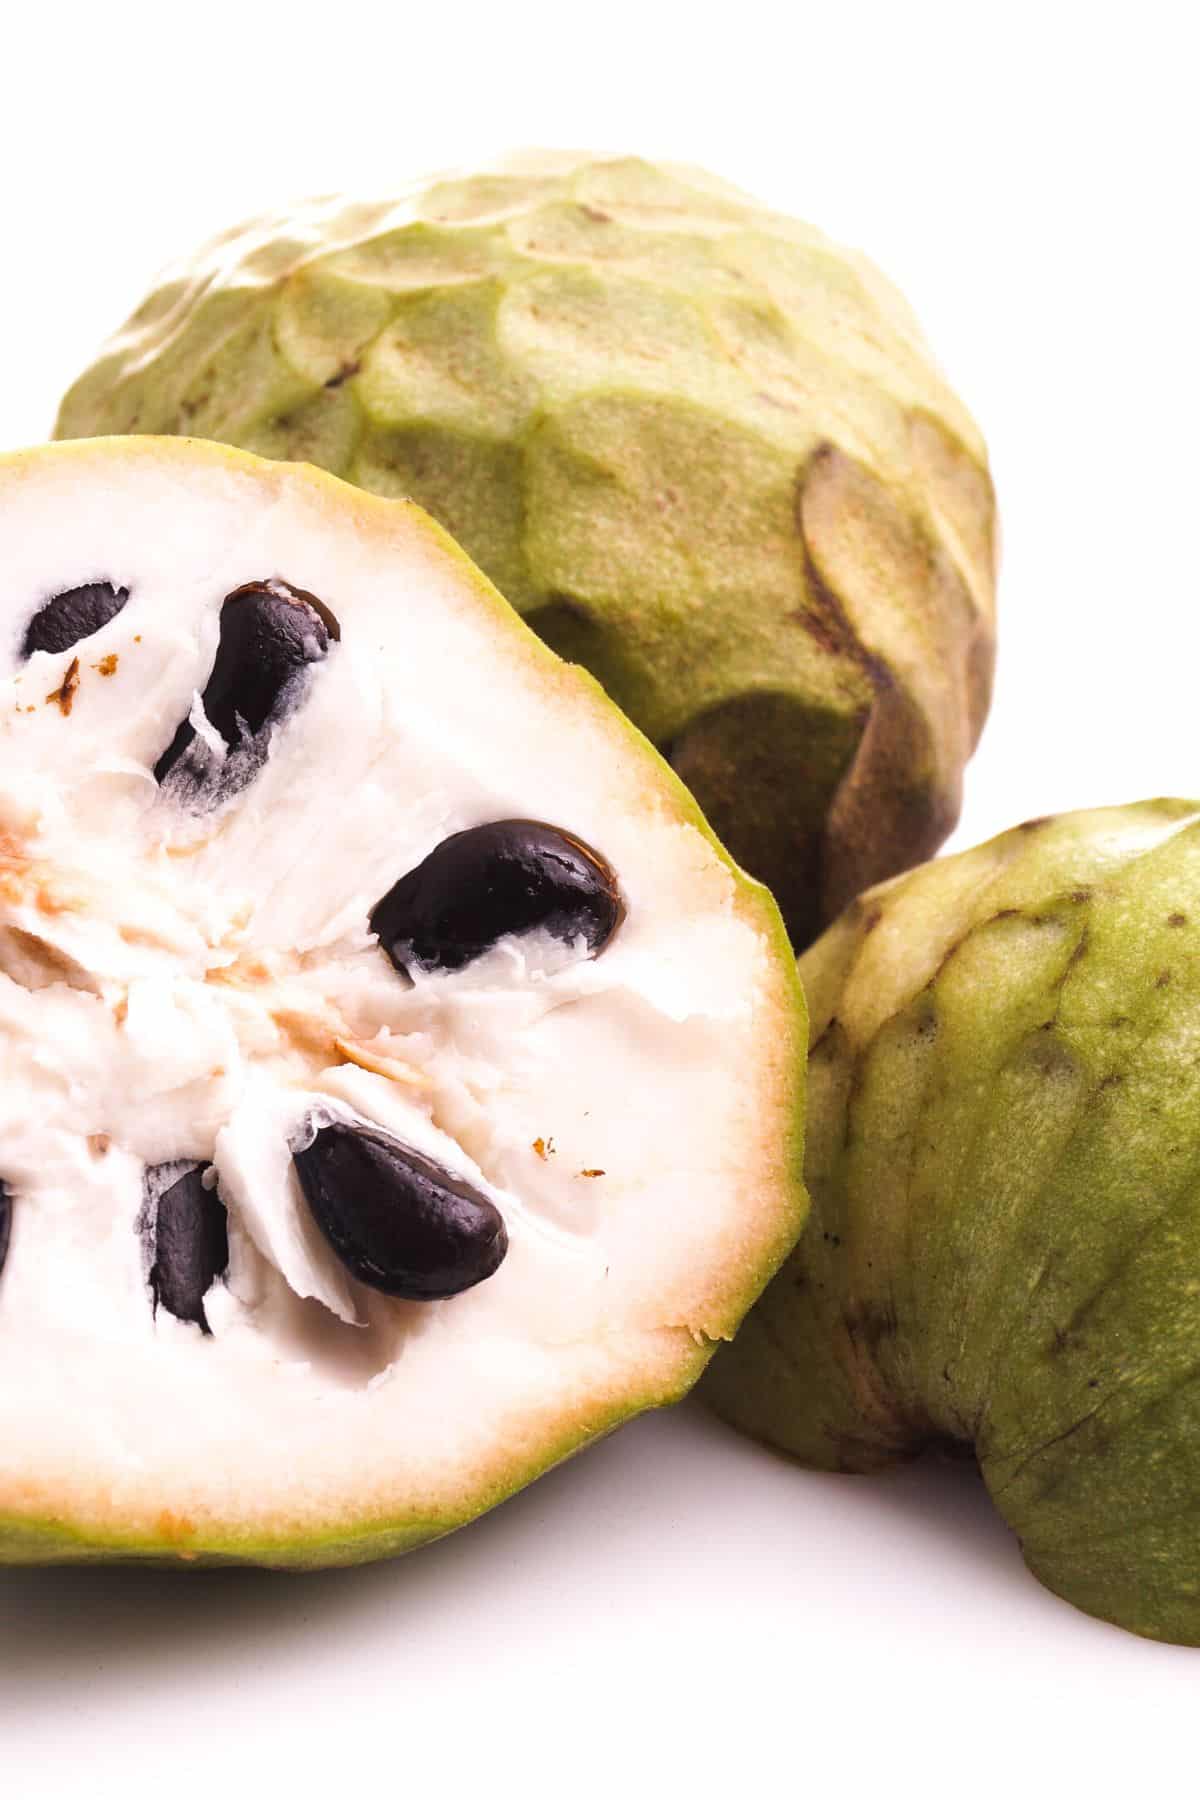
<point>270,634</point>
<point>72,616</point>
<point>395,1219</point>
<point>5,1221</point>
<point>478,886</point>
<point>191,1245</point>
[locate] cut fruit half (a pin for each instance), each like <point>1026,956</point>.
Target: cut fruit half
<point>400,1083</point>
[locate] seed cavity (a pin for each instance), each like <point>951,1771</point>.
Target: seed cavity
<point>73,615</point>
<point>5,1221</point>
<point>271,633</point>
<point>494,881</point>
<point>395,1219</point>
<point>190,1237</point>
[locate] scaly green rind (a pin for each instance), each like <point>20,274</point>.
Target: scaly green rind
<point>704,451</point>
<point>1004,1162</point>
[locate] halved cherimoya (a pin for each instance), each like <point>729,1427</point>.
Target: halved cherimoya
<point>399,1083</point>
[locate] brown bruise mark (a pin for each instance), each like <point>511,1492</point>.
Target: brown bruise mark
<point>64,697</point>
<point>175,1528</point>
<point>345,373</point>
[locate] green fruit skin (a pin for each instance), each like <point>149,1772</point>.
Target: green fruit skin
<point>180,1544</point>
<point>703,450</point>
<point>1004,1162</point>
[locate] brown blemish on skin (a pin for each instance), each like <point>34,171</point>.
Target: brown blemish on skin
<point>64,697</point>
<point>107,664</point>
<point>870,1323</point>
<point>99,1143</point>
<point>1176,919</point>
<point>344,373</point>
<point>173,1527</point>
<point>591,1174</point>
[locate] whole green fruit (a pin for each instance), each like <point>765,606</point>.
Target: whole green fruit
<point>704,451</point>
<point>1004,1162</point>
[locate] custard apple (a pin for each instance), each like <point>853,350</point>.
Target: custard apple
<point>400,1085</point>
<point>1004,1161</point>
<point>704,451</point>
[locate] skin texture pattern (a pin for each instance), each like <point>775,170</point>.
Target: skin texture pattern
<point>704,451</point>
<point>1004,1161</point>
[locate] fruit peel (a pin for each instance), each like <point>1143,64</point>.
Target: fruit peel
<point>701,448</point>
<point>1002,1156</point>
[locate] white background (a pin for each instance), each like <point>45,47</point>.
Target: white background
<point>676,1612</point>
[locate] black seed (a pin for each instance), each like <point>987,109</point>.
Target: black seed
<point>73,615</point>
<point>396,1220</point>
<point>5,1221</point>
<point>270,634</point>
<point>483,884</point>
<point>191,1245</point>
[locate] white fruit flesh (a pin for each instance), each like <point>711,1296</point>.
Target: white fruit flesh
<point>189,982</point>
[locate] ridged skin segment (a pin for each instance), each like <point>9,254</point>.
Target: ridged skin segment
<point>704,451</point>
<point>1004,1162</point>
